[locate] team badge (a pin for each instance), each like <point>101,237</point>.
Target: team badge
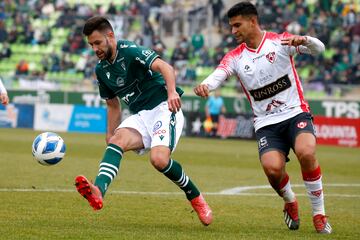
<point>271,57</point>
<point>302,125</point>
<point>108,75</point>
<point>316,193</point>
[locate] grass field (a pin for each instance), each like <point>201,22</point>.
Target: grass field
<point>40,202</point>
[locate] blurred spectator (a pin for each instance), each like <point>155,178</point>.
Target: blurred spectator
<point>22,68</point>
<point>197,42</point>
<point>217,6</point>
<point>5,51</point>
<point>3,32</point>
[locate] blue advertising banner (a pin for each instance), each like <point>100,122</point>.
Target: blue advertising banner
<point>25,115</point>
<point>17,115</point>
<point>88,119</point>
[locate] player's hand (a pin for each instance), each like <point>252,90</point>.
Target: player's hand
<point>294,41</point>
<point>4,98</point>
<point>174,102</point>
<point>202,90</point>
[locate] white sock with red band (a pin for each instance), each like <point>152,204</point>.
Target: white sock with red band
<point>313,185</point>
<point>285,190</point>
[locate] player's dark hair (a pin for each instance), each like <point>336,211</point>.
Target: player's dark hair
<point>243,9</point>
<point>96,23</point>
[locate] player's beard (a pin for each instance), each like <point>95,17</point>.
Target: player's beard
<point>108,54</point>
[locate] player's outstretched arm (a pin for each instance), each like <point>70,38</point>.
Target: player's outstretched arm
<point>306,44</point>
<point>212,82</point>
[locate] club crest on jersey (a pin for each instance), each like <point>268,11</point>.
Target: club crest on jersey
<point>302,125</point>
<point>271,57</point>
<point>108,75</point>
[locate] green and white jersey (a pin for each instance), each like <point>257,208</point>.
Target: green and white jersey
<point>130,78</point>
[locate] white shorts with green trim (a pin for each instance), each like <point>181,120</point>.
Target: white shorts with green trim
<point>158,127</point>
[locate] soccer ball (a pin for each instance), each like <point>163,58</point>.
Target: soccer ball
<point>48,148</point>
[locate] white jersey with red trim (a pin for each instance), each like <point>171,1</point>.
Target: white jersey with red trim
<point>268,77</point>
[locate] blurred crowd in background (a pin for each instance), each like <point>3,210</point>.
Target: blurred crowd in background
<point>42,39</point>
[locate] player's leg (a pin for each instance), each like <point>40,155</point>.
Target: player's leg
<point>125,138</point>
<point>273,163</point>
<point>166,133</point>
<point>304,147</point>
<point>273,151</point>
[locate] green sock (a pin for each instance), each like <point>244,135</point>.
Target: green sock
<point>109,167</point>
<point>175,173</point>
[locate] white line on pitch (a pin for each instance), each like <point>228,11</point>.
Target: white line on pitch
<point>238,191</point>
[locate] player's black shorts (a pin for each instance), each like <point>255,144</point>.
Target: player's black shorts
<point>281,136</point>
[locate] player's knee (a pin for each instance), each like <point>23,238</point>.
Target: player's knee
<point>272,171</point>
<point>159,159</point>
<point>119,141</point>
<point>305,153</point>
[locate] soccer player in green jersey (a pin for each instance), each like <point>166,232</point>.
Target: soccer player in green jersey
<point>146,84</point>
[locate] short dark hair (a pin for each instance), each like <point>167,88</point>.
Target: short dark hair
<point>243,9</point>
<point>96,23</point>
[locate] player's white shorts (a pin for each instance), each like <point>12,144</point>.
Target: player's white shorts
<point>158,127</point>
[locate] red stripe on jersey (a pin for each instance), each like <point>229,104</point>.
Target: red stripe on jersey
<point>304,105</point>
<point>262,42</point>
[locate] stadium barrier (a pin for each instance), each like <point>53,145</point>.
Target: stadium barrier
<point>336,122</point>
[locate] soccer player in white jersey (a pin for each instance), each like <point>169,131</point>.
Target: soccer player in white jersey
<point>263,63</point>
<point>4,99</point>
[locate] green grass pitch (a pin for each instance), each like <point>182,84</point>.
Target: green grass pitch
<point>40,202</point>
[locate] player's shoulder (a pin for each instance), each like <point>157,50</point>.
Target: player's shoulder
<point>126,44</point>
<point>236,51</point>
<point>276,36</point>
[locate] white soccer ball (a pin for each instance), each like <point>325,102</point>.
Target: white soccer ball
<point>48,148</point>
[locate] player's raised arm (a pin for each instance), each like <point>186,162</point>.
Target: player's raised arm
<point>210,83</point>
<point>168,74</point>
<point>305,44</point>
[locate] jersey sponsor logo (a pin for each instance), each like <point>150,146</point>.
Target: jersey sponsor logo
<point>264,77</point>
<point>124,46</point>
<point>127,96</point>
<point>140,60</point>
<point>274,104</point>
<point>258,57</point>
<point>157,126</point>
<point>271,57</point>
<point>302,125</point>
<point>120,81</point>
<point>146,53</point>
<point>247,69</point>
<point>108,75</point>
<point>159,132</point>
<point>271,89</point>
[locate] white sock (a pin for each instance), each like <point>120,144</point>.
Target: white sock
<point>315,192</point>
<point>287,193</point>
<point>285,190</point>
